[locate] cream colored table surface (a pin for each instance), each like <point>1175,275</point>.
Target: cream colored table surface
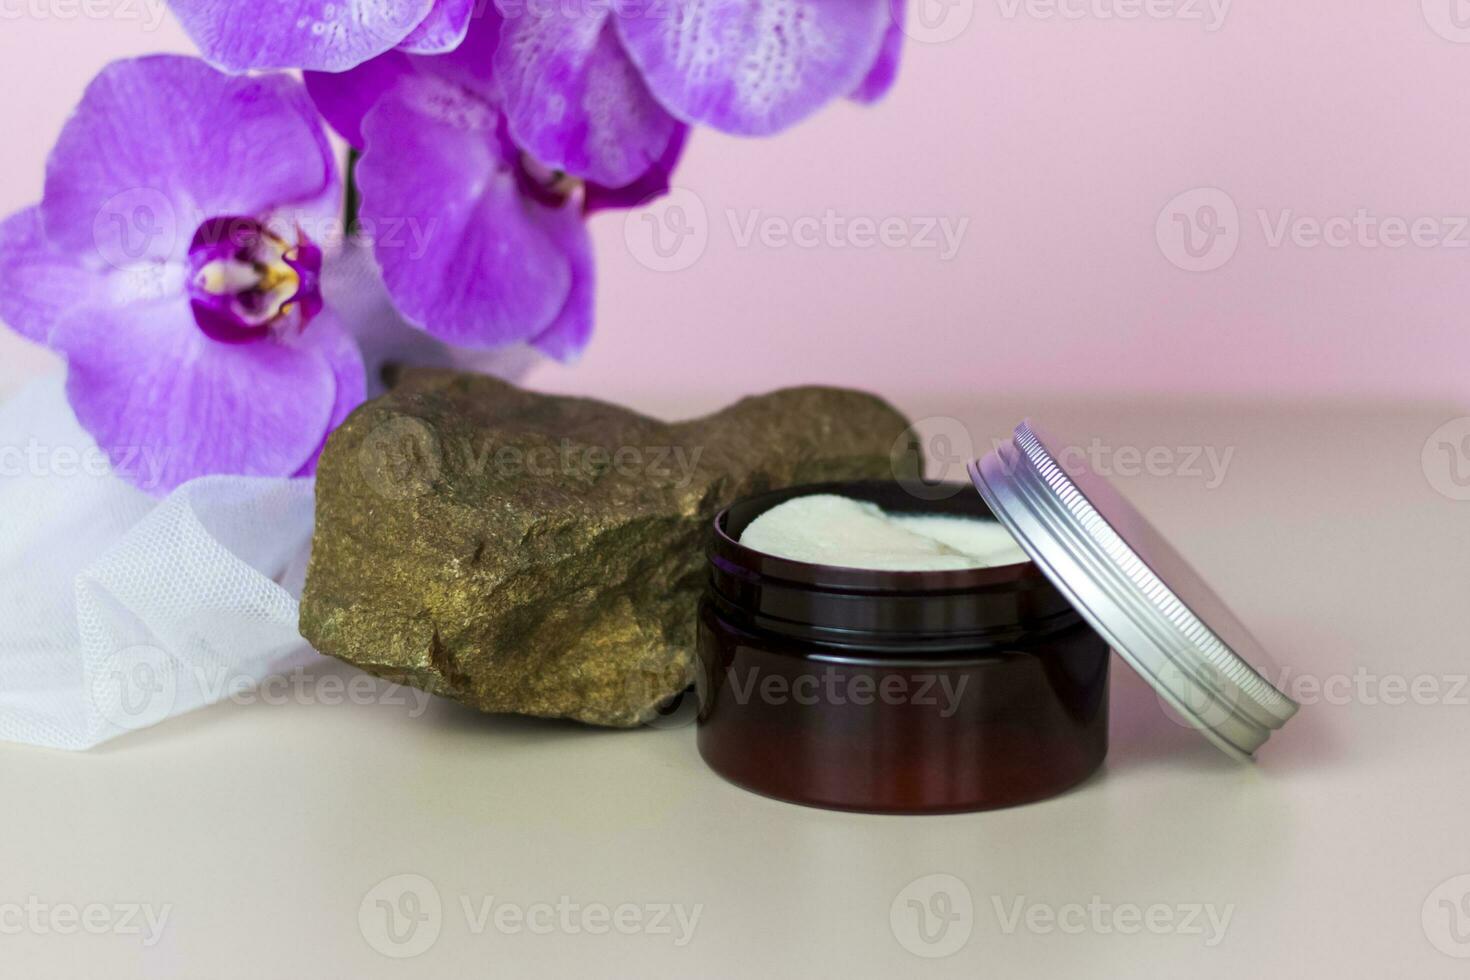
<point>266,832</point>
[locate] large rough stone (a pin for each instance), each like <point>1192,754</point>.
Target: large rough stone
<point>542,555</point>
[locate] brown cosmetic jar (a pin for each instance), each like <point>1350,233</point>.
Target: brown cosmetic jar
<point>894,692</point>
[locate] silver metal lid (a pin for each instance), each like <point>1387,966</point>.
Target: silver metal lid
<point>1134,589</point>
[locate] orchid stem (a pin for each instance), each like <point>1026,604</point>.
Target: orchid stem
<point>352,200</point>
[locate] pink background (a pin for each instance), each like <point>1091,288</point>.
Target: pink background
<point>1060,140</point>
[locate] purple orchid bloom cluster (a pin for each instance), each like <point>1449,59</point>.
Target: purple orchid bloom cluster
<point>176,256</point>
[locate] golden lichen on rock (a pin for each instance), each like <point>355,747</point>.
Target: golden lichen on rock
<point>544,555</point>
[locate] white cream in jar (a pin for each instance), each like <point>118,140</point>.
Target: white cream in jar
<point>828,529</point>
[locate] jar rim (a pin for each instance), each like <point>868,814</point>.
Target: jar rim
<point>950,499</point>
<point>864,608</point>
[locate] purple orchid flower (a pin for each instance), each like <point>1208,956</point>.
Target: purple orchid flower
<point>169,262</point>
<point>595,87</point>
<point>327,35</point>
<point>747,67</point>
<point>490,246</point>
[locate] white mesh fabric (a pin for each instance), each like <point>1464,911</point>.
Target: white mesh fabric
<point>117,610</point>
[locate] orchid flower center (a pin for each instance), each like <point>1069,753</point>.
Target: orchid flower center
<point>541,183</point>
<point>247,283</point>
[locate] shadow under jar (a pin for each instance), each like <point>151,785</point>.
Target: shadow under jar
<point>894,692</point>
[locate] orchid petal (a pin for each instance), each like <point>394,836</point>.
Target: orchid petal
<point>652,183</point>
<point>471,65</point>
<point>752,67</point>
<point>569,333</point>
<point>39,284</point>
<point>331,337</point>
<point>325,35</point>
<point>884,72</point>
<point>482,266</point>
<point>344,98</point>
<point>575,101</point>
<point>132,176</point>
<point>353,287</point>
<point>143,379</point>
<point>443,30</point>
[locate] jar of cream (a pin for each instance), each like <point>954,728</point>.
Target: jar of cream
<point>891,689</point>
<point>897,653</point>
